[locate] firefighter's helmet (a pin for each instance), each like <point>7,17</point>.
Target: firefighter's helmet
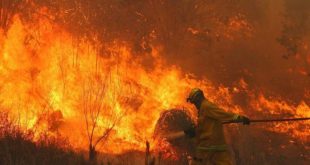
<point>194,95</point>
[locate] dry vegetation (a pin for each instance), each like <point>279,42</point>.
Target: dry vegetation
<point>18,147</point>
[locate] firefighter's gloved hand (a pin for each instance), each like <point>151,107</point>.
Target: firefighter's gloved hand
<point>190,132</point>
<point>244,120</point>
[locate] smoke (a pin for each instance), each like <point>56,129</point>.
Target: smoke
<point>265,43</point>
<point>253,50</point>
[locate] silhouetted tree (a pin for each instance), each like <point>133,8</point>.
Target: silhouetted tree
<point>97,96</point>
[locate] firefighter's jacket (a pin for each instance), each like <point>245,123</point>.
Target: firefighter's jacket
<point>209,133</point>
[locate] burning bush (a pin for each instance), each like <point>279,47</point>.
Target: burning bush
<point>173,121</point>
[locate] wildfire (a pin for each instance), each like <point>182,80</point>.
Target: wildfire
<point>48,83</point>
<point>52,82</point>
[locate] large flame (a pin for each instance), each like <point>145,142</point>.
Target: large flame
<point>50,81</point>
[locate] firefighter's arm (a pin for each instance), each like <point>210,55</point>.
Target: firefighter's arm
<point>213,111</point>
<point>189,132</point>
<point>174,135</point>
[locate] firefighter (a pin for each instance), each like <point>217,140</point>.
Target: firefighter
<point>211,148</point>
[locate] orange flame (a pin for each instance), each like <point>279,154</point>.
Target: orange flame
<point>49,80</point>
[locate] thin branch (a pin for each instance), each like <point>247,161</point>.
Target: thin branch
<point>85,114</point>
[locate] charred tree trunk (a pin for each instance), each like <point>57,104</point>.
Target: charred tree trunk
<point>92,154</point>
<point>147,152</point>
<point>149,159</point>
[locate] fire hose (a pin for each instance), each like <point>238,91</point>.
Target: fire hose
<point>270,120</point>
